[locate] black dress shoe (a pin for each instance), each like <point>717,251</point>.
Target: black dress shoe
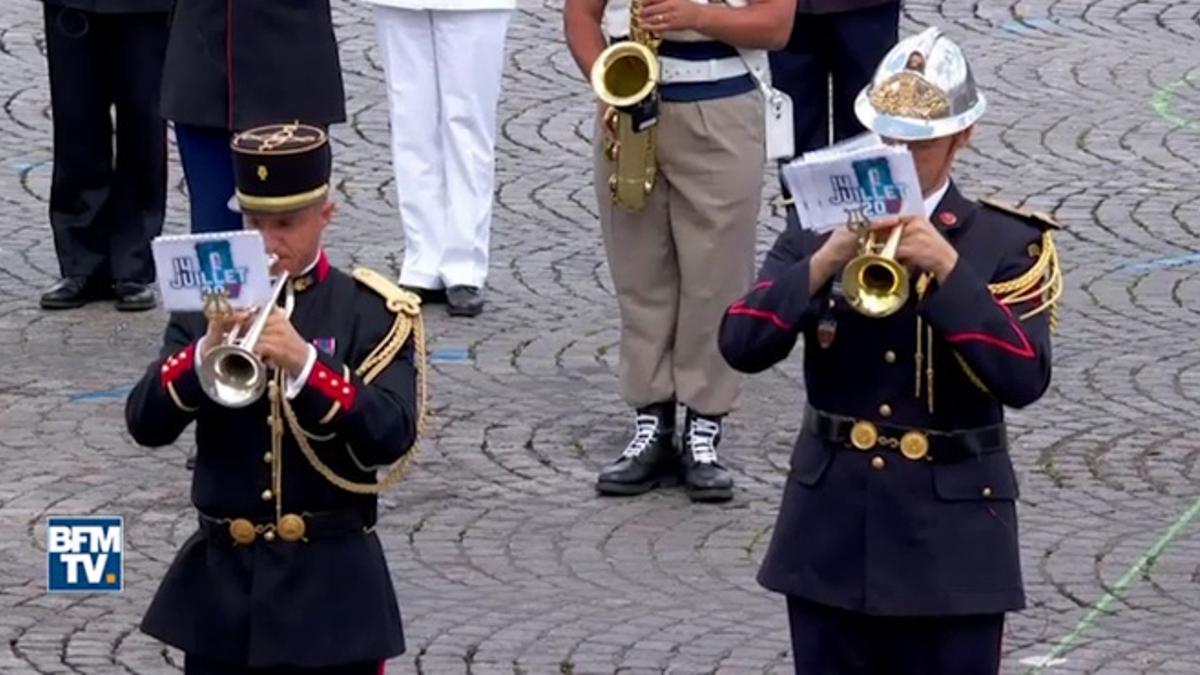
<point>464,301</point>
<point>649,460</point>
<point>72,292</point>
<point>429,296</point>
<point>134,297</point>
<point>703,476</point>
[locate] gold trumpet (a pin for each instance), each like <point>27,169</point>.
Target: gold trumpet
<point>873,282</point>
<point>231,373</point>
<point>625,77</point>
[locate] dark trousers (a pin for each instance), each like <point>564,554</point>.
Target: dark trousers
<point>105,209</point>
<point>193,665</point>
<point>844,46</point>
<point>828,641</point>
<point>208,169</point>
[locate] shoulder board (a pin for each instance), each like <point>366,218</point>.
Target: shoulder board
<point>398,300</point>
<point>1039,219</point>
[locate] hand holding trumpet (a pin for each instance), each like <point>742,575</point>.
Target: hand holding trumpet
<point>278,345</point>
<point>921,246</point>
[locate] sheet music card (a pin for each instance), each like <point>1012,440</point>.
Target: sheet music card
<point>191,268</point>
<point>859,178</point>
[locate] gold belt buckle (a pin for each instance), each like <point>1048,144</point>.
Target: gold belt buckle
<point>242,531</point>
<point>914,445</point>
<point>864,435</point>
<point>291,527</point>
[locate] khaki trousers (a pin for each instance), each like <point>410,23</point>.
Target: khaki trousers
<point>679,262</point>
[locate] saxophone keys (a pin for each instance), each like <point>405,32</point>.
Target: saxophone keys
<point>610,119</point>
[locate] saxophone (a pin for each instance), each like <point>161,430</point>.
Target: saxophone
<point>625,77</point>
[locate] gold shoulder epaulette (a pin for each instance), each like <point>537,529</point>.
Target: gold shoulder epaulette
<point>1039,219</point>
<point>1041,283</point>
<point>398,300</point>
<point>407,323</point>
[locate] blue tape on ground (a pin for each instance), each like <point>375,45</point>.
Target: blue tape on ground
<point>449,355</point>
<point>115,392</point>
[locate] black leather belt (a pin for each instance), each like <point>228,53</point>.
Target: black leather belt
<point>915,444</point>
<point>290,527</point>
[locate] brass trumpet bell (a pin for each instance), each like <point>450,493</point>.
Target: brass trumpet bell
<point>236,377</point>
<point>873,282</point>
<point>231,373</point>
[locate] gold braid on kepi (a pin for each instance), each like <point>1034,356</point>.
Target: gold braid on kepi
<point>407,308</point>
<point>1043,281</point>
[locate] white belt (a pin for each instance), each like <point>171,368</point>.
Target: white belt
<point>675,71</point>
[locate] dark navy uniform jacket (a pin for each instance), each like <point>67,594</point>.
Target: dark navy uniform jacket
<point>305,604</point>
<point>872,531</point>
<point>238,64</point>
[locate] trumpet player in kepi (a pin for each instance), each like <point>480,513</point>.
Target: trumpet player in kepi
<point>284,570</point>
<point>896,542</point>
<point>679,158</point>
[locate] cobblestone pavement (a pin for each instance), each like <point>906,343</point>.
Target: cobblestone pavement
<point>504,559</point>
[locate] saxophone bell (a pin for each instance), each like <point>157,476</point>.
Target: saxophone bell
<point>625,77</point>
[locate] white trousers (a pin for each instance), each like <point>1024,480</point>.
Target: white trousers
<point>443,72</point>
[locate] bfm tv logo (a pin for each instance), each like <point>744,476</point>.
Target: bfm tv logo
<point>84,553</point>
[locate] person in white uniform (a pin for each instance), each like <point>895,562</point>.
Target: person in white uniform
<point>443,61</point>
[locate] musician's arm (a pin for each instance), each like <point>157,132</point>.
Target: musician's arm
<point>581,25</point>
<point>377,420</point>
<point>169,395</point>
<point>761,329</point>
<point>761,24</point>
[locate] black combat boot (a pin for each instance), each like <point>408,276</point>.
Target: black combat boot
<point>649,459</point>
<point>706,480</point>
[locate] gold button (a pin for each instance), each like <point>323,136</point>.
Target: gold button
<point>889,356</point>
<point>885,410</point>
<point>987,492</point>
<point>242,531</point>
<point>268,457</point>
<point>291,527</point>
<point>267,495</point>
<point>269,535</point>
<point>863,435</point>
<point>877,463</point>
<point>914,445</point>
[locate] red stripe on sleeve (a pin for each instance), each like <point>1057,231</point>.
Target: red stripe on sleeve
<point>740,309</point>
<point>1024,349</point>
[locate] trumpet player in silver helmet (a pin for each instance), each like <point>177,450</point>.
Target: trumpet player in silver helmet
<point>679,158</point>
<point>286,475</point>
<point>896,542</point>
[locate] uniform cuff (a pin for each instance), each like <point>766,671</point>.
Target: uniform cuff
<point>329,391</point>
<point>178,378</point>
<point>296,384</point>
